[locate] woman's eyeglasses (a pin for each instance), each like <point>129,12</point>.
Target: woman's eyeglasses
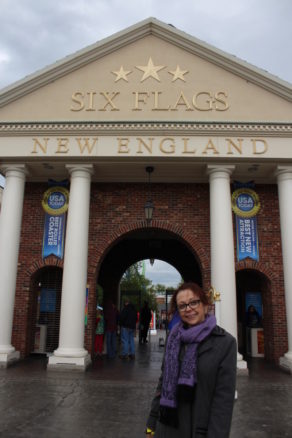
<point>192,305</point>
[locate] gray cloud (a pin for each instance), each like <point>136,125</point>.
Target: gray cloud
<point>162,273</point>
<point>36,34</point>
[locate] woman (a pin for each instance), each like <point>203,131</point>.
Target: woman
<point>253,318</point>
<point>196,390</point>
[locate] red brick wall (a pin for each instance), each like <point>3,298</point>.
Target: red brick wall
<point>181,208</point>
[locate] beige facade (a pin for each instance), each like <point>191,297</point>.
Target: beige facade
<point>150,95</point>
<point>108,102</point>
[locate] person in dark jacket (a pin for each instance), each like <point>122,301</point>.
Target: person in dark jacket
<point>253,318</point>
<point>128,320</point>
<point>196,391</point>
<point>145,319</point>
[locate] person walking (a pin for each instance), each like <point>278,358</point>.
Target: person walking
<point>196,391</point>
<point>127,320</point>
<point>145,319</point>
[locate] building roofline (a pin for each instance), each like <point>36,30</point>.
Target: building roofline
<point>150,26</point>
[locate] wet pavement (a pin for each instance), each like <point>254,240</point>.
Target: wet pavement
<point>112,399</point>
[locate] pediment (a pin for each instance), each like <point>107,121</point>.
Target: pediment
<point>149,72</point>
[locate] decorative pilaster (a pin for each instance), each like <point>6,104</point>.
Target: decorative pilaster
<point>71,352</point>
<point>10,227</point>
<point>284,177</point>
<point>222,248</point>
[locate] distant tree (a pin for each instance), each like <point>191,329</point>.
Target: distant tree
<point>134,280</point>
<point>99,295</point>
<point>160,288</point>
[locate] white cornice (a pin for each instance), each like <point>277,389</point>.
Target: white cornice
<point>146,128</point>
<point>150,26</point>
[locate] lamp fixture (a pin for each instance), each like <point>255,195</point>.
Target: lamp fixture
<point>149,206</point>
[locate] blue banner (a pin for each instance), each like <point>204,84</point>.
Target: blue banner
<point>54,232</point>
<point>55,203</point>
<point>254,299</point>
<point>247,238</point>
<point>48,300</point>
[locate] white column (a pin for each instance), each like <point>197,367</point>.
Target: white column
<point>10,227</point>
<point>71,350</point>
<point>284,176</point>
<point>222,248</point>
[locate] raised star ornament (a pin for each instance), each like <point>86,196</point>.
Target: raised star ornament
<point>178,74</point>
<point>121,74</point>
<point>150,70</point>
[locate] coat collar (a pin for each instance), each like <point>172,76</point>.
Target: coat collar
<point>209,341</point>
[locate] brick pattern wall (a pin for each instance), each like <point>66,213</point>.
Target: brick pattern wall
<point>183,209</point>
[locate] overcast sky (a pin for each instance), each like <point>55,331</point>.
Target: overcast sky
<point>34,34</point>
<point>162,273</point>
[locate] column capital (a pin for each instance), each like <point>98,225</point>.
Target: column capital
<point>14,169</point>
<point>80,170</point>
<point>220,170</point>
<point>283,173</point>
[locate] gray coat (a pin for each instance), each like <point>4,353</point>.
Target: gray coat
<point>210,414</point>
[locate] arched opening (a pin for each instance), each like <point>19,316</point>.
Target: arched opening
<point>146,244</point>
<point>44,320</point>
<point>254,316</point>
<point>141,244</point>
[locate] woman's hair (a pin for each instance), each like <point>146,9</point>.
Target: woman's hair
<point>194,287</point>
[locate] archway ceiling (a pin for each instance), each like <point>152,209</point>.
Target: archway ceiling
<point>139,247</point>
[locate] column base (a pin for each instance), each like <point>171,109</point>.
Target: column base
<point>286,362</point>
<point>6,359</point>
<point>65,363</point>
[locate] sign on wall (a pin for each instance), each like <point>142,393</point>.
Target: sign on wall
<point>55,203</point>
<point>48,300</point>
<point>245,204</point>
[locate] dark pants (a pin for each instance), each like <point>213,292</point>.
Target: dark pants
<point>144,332</point>
<point>111,344</point>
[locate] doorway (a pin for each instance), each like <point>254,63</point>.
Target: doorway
<point>47,286</point>
<point>252,294</point>
<point>145,244</point>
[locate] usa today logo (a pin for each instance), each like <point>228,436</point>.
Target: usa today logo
<point>56,200</point>
<point>245,202</point>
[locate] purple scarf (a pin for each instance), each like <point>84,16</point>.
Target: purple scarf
<point>173,374</point>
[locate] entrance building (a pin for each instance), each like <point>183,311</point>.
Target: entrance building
<point>75,140</point>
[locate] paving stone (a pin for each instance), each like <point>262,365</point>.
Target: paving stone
<point>112,399</point>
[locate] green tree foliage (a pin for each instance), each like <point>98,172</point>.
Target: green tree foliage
<point>160,288</point>
<point>137,288</point>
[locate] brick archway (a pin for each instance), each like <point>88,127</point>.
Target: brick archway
<point>26,287</point>
<point>261,278</point>
<point>121,232</point>
<point>105,246</point>
<point>256,266</point>
<point>42,263</point>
